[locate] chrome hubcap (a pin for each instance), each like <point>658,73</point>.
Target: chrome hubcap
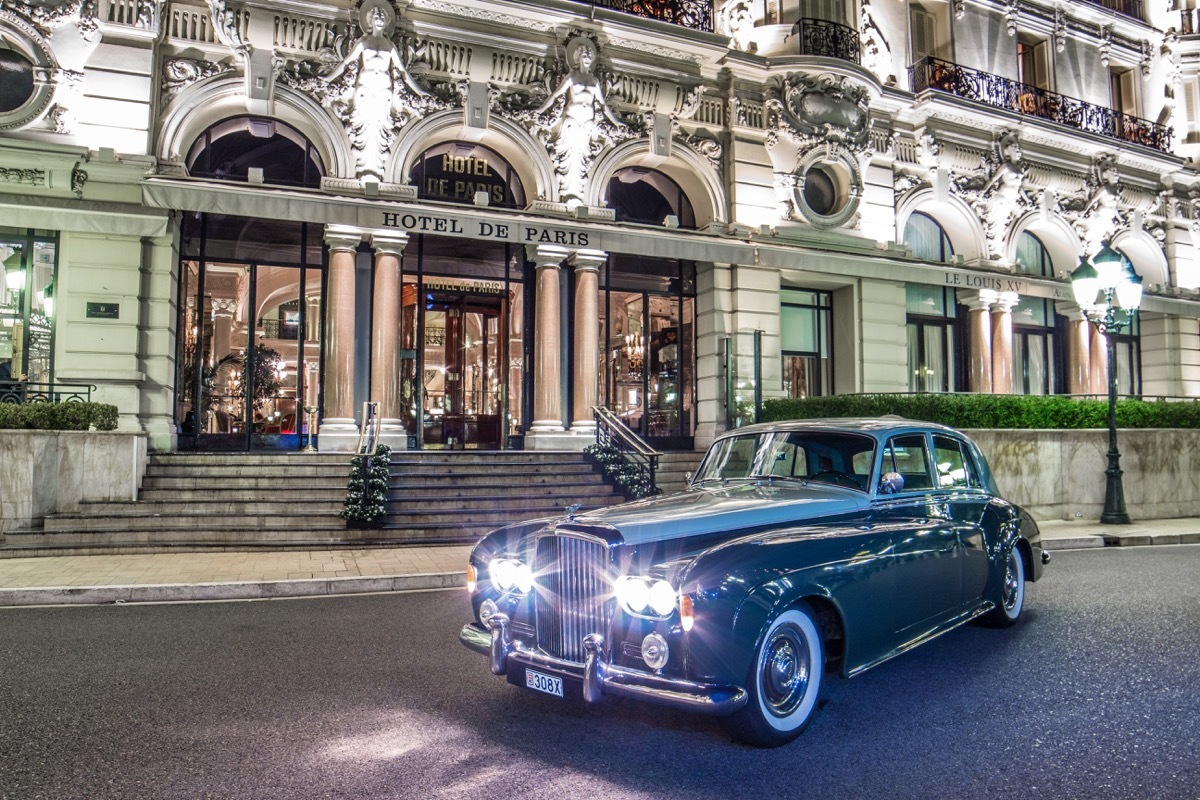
<point>784,671</point>
<point>1010,582</point>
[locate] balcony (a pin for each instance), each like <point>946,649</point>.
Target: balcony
<point>1130,8</point>
<point>983,87</point>
<point>694,14</point>
<point>820,37</point>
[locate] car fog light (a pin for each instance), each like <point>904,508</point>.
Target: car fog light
<point>486,611</point>
<point>662,598</point>
<point>655,651</point>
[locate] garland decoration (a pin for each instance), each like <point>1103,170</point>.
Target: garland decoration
<point>367,492</point>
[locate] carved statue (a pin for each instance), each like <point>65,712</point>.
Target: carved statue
<point>999,196</point>
<point>876,52</point>
<point>584,122</point>
<point>736,20</point>
<point>374,77</point>
<point>1097,219</point>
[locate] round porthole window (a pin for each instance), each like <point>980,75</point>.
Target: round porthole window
<point>16,80</point>
<point>820,191</point>
<point>828,188</point>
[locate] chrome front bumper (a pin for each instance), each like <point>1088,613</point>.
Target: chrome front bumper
<point>598,678</point>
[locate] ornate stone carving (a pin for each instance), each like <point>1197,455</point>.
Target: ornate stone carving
<point>1097,218</point>
<point>707,145</point>
<point>180,73</point>
<point>49,17</point>
<point>876,52</point>
<point>226,27</point>
<point>998,192</point>
<point>33,177</point>
<point>735,19</point>
<point>78,179</point>
<point>573,119</point>
<point>815,110</point>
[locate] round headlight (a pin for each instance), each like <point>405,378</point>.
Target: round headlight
<point>524,578</point>
<point>662,598</point>
<point>503,572</point>
<point>633,593</point>
<point>655,651</point>
<point>487,610</point>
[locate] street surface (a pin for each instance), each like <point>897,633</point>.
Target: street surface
<point>1096,694</point>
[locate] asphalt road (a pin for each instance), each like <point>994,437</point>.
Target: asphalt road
<point>1095,694</point>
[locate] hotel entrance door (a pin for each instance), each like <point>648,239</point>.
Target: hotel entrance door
<point>464,387</point>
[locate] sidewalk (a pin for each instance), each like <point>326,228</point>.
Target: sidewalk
<point>156,577</point>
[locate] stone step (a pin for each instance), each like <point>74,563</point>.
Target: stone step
<point>342,471</point>
<point>273,485</point>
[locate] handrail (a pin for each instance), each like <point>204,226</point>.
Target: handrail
<point>633,449</point>
<point>54,392</point>
<point>1000,92</point>
<point>820,37</point>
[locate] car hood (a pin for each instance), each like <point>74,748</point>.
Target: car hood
<point>732,508</point>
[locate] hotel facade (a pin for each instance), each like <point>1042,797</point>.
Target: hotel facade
<point>240,220</point>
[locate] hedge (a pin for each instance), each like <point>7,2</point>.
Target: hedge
<point>991,410</point>
<point>71,416</point>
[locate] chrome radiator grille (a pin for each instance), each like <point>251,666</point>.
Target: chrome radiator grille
<point>574,598</point>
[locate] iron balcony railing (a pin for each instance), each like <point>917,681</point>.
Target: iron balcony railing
<point>694,14</point>
<point>993,90</point>
<point>1130,8</point>
<point>26,392</point>
<point>820,37</point>
<point>634,451</point>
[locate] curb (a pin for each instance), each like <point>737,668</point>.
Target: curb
<point>249,590</point>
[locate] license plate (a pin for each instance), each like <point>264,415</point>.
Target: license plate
<point>544,683</point>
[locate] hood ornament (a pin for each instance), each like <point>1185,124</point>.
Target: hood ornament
<point>571,509</point>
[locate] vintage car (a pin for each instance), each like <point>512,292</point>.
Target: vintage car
<point>797,547</point>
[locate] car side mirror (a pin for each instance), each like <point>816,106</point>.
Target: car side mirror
<point>891,482</point>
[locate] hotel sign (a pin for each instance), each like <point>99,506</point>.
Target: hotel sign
<point>453,225</point>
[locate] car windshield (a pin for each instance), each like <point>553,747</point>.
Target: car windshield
<point>842,459</point>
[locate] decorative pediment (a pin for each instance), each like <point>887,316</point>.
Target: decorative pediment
<point>812,109</point>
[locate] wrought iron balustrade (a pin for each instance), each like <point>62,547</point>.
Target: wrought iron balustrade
<point>820,37</point>
<point>1130,8</point>
<point>694,14</point>
<point>631,448</point>
<point>999,92</point>
<point>26,392</point>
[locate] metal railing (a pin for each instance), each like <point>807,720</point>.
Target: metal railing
<point>820,37</point>
<point>1130,8</point>
<point>633,450</point>
<point>279,329</point>
<point>945,76</point>
<point>25,392</point>
<point>694,14</point>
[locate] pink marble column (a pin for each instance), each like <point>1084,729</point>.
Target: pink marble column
<point>1098,371</point>
<point>1078,350</point>
<point>547,364</point>
<point>1002,343</point>
<point>587,338</point>
<point>385,332</point>
<point>979,341</point>
<point>338,413</point>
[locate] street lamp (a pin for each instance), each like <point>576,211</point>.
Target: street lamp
<point>1109,292</point>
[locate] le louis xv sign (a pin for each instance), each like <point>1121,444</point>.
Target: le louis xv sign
<point>517,232</point>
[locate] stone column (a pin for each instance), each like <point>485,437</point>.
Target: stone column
<point>338,430</point>
<point>979,335</point>
<point>1098,367</point>
<point>1078,349</point>
<point>1002,343</point>
<point>385,336</point>
<point>223,310</point>
<point>587,338</point>
<point>547,363</point>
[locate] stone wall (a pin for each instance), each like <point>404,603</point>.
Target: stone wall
<point>1060,474</point>
<point>45,472</point>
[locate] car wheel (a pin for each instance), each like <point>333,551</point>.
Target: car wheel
<point>784,681</point>
<point>1012,592</point>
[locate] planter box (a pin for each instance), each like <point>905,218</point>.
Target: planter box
<point>46,472</point>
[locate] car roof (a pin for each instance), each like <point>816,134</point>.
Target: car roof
<point>878,427</point>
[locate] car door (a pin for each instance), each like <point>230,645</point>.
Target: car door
<point>928,580</point>
<point>965,502</point>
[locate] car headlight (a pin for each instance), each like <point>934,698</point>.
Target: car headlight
<point>645,596</point>
<point>508,574</point>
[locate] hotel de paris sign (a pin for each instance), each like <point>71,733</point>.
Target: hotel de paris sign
<point>517,231</point>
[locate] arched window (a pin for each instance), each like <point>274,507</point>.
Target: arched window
<point>927,239</point>
<point>455,172</point>
<point>1032,256</point>
<point>230,149</point>
<point>647,196</point>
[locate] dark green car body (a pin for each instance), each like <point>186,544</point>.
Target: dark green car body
<point>881,568</point>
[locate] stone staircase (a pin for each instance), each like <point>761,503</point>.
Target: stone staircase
<point>210,500</point>
<point>673,469</point>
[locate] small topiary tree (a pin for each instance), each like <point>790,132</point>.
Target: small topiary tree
<point>367,492</point>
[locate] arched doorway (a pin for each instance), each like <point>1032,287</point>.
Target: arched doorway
<point>251,294</point>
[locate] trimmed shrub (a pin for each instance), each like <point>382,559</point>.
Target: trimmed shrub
<point>71,416</point>
<point>991,410</point>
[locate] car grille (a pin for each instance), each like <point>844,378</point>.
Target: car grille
<point>575,597</point>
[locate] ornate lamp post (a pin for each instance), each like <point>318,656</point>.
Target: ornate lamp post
<point>1109,292</point>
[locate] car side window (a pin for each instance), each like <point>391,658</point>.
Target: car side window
<point>908,456</point>
<point>953,468</point>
